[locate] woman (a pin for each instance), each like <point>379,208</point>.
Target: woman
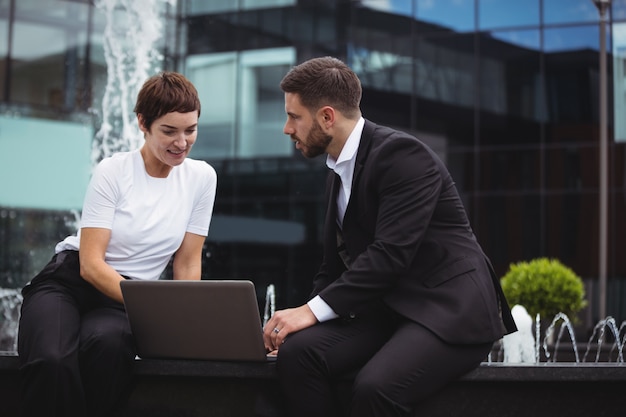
<point>141,208</point>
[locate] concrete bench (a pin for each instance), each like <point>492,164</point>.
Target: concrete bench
<point>182,388</point>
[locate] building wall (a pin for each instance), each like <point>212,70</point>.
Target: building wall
<point>505,91</point>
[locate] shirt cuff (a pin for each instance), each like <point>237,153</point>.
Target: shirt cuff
<point>321,310</point>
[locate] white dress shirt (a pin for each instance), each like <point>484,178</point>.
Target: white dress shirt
<point>344,167</point>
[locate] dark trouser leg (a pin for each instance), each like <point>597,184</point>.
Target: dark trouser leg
<point>107,357</point>
<point>310,361</point>
<point>48,351</point>
<point>74,344</point>
<point>411,366</point>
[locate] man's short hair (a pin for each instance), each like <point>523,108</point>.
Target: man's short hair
<point>325,81</point>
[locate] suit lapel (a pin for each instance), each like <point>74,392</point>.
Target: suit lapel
<point>333,183</point>
<point>362,154</point>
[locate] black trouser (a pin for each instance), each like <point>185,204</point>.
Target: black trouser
<point>397,363</point>
<point>75,346</point>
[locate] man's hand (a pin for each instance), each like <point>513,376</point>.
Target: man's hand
<point>284,322</point>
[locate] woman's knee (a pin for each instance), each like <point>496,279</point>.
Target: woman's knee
<point>106,331</point>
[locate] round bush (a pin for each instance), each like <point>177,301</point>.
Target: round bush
<point>545,287</point>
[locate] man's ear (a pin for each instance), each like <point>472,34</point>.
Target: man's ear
<point>327,116</point>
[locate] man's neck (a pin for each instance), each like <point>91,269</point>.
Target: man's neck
<point>340,134</point>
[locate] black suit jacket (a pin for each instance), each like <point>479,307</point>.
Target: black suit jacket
<point>410,244</point>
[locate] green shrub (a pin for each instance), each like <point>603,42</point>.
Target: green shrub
<point>545,287</point>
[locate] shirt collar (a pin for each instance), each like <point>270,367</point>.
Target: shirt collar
<point>350,148</point>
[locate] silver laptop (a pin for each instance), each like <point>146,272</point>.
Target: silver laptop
<point>207,319</point>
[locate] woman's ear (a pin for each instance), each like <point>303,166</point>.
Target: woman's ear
<point>141,122</point>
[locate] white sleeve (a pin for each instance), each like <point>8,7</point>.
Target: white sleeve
<point>100,198</point>
<point>321,310</point>
<point>203,205</point>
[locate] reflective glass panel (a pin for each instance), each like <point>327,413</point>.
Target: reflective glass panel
<point>619,9</point>
<point>403,7</point>
<point>247,119</point>
<point>576,38</point>
<point>510,169</point>
<point>68,144</point>
<point>458,15</point>
<point>48,54</point>
<point>509,226</point>
<point>571,80</point>
<point>572,227</point>
<point>262,103</point>
<point>572,166</point>
<point>511,81</point>
<point>4,36</point>
<point>214,75</point>
<point>569,11</point>
<point>524,38</point>
<point>507,13</point>
<point>619,81</point>
<point>261,4</point>
<point>198,7</point>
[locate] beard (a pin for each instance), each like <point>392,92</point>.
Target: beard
<point>316,142</point>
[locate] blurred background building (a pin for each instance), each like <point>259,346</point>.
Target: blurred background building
<point>506,92</point>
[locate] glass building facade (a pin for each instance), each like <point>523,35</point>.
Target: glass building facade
<point>506,92</point>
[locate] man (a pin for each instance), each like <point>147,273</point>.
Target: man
<point>405,298</point>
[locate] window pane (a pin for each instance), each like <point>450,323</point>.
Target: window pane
<point>509,227</point>
<point>48,54</point>
<point>261,103</point>
<point>510,170</point>
<point>457,15</point>
<point>619,9</point>
<point>31,185</point>
<point>505,13</point>
<point>261,4</point>
<point>572,226</point>
<point>523,38</point>
<point>619,81</point>
<point>571,60</point>
<point>511,89</point>
<point>566,11</point>
<point>214,75</point>
<point>404,7</point>
<point>247,119</point>
<point>4,35</point>
<point>198,7</point>
<point>577,38</point>
<point>572,167</point>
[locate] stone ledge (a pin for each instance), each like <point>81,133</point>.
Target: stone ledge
<point>166,388</point>
<point>492,372</point>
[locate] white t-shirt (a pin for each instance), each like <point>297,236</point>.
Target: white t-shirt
<point>148,217</point>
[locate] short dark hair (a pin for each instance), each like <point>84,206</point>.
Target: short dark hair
<point>325,81</point>
<point>164,93</point>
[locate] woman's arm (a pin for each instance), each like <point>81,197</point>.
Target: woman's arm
<point>188,258</point>
<point>93,268</point>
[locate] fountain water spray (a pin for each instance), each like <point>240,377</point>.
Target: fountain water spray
<point>600,331</point>
<point>566,324</point>
<point>131,33</point>
<point>519,347</point>
<point>270,304</point>
<point>10,302</point>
